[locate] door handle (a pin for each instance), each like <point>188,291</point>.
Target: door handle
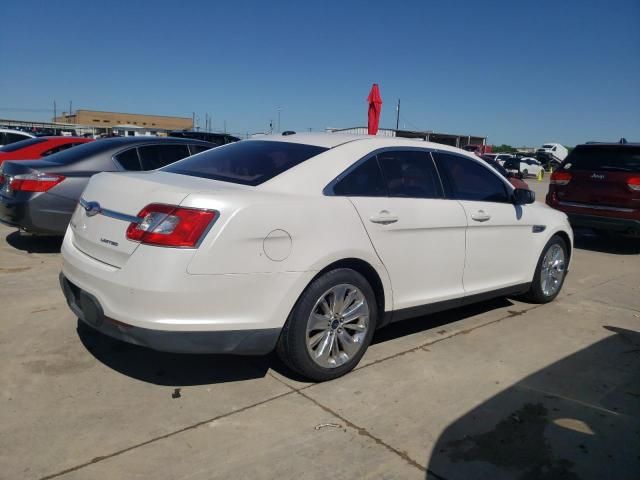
<point>480,216</point>
<point>383,218</point>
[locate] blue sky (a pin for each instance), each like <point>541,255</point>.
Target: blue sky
<point>519,72</point>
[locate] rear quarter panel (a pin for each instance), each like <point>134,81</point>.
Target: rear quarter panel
<point>321,229</point>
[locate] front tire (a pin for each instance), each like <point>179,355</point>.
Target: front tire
<point>550,272</point>
<point>330,327</point>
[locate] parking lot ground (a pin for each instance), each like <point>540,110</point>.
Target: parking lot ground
<point>503,389</point>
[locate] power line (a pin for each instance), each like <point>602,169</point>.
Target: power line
<point>16,109</point>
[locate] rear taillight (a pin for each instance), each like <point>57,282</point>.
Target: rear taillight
<point>634,183</point>
<point>560,178</point>
<point>171,226</point>
<point>34,182</point>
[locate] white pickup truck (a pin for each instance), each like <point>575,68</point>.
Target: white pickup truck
<point>551,154</point>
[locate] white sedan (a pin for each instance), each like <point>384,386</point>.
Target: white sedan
<point>306,243</point>
<point>526,166</point>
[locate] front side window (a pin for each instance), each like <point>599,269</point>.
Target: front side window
<point>466,179</point>
<point>365,180</point>
<point>410,173</point>
<point>249,162</point>
<point>158,156</point>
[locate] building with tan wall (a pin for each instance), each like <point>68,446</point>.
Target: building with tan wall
<point>100,119</point>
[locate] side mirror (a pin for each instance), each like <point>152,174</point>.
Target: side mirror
<point>522,196</point>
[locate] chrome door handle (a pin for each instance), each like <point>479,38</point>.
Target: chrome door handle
<point>383,218</point>
<point>480,216</point>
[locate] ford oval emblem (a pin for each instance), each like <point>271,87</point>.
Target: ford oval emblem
<point>92,208</point>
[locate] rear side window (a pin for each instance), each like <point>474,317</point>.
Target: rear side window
<point>129,160</point>
<point>249,162</point>
<point>365,180</point>
<point>21,144</point>
<point>158,156</point>
<point>410,174</point>
<point>606,157</point>
<point>466,179</point>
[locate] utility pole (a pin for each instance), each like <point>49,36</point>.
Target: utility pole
<point>398,115</point>
<point>193,120</point>
<point>225,126</point>
<point>54,114</point>
<point>279,110</point>
<point>70,107</point>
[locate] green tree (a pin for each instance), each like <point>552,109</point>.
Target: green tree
<point>503,149</point>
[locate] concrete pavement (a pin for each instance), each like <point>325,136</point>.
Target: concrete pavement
<point>502,389</point>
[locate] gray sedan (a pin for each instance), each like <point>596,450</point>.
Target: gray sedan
<point>39,196</point>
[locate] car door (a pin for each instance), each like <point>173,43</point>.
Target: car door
<point>418,235</point>
<point>499,234</point>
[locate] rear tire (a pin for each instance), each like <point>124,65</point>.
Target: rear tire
<point>330,327</point>
<point>550,272</point>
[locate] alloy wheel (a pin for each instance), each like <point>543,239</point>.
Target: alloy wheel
<point>553,270</point>
<point>337,326</point>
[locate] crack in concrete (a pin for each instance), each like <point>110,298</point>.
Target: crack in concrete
<point>364,432</point>
<point>161,437</point>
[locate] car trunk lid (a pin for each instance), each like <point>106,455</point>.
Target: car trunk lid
<point>112,201</point>
<point>108,205</point>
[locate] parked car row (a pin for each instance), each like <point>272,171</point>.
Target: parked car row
<point>39,196</point>
<point>303,243</point>
<point>38,147</point>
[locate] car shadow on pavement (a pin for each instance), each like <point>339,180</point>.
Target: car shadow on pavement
<point>169,369</point>
<point>578,418</point>
<point>586,239</point>
<point>34,243</point>
<point>435,320</point>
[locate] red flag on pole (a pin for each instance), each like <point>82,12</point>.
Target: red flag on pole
<point>375,106</point>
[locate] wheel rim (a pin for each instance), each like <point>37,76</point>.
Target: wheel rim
<point>337,326</point>
<point>553,269</point>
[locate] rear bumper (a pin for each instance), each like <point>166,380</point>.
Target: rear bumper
<point>619,225</point>
<point>153,301</point>
<point>40,213</point>
<point>244,342</point>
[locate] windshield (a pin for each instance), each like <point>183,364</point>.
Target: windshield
<point>12,147</point>
<point>547,146</point>
<point>604,157</point>
<point>249,162</point>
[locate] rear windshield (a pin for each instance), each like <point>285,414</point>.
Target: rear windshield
<point>608,158</point>
<point>75,154</point>
<point>512,163</point>
<point>12,147</point>
<point>250,162</point>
